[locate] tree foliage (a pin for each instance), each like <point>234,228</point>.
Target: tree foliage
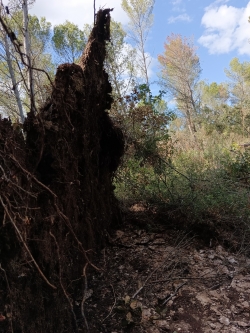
<point>141,20</point>
<point>180,73</point>
<point>120,62</point>
<point>18,68</point>
<point>68,41</point>
<point>239,89</point>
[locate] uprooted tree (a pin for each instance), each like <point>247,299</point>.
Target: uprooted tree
<point>56,196</point>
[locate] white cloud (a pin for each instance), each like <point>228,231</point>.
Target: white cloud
<point>182,17</point>
<point>216,2</point>
<point>178,6</point>
<point>226,29</point>
<point>76,11</point>
<point>176,2</point>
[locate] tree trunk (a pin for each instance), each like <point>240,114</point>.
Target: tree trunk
<point>13,78</point>
<point>27,51</point>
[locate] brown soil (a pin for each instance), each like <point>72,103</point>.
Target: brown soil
<point>159,278</point>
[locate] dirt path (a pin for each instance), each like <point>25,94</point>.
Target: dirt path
<point>166,281</point>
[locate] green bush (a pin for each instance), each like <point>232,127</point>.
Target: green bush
<point>198,188</point>
<point>204,179</point>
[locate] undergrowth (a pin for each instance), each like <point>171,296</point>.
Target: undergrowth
<point>211,183</point>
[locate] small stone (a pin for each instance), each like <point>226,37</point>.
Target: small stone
<point>234,310</point>
<point>197,257</point>
<point>217,262</point>
<point>245,304</point>
<point>224,270</point>
<point>119,233</point>
<point>232,260</point>
<point>146,314</point>
<point>153,330</point>
<point>203,298</point>
<point>211,256</point>
<point>162,324</point>
<point>159,241</point>
<point>170,303</point>
<point>213,326</point>
<point>220,250</point>
<point>224,320</point>
<point>242,324</point>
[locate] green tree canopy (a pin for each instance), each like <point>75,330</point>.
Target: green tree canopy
<point>68,41</point>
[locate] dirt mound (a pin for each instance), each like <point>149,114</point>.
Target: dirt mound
<point>56,197</point>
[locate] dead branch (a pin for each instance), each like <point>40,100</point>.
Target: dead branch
<point>174,293</point>
<point>17,45</point>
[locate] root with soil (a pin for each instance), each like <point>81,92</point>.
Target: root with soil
<point>56,195</point>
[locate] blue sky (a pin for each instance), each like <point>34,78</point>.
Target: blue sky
<point>220,28</point>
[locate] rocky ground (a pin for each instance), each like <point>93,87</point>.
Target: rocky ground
<point>167,280</point>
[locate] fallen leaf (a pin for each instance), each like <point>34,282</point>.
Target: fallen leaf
<point>129,317</point>
<point>135,305</point>
<point>126,299</point>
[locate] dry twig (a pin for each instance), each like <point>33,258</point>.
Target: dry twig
<point>174,293</point>
<point>112,305</point>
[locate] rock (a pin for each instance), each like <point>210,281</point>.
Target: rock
<point>181,326</point>
<point>243,324</point>
<point>159,241</point>
<point>241,284</point>
<point>163,324</point>
<point>215,309</point>
<point>224,320</point>
<point>203,298</point>
<point>119,233</point>
<point>212,325</point>
<point>232,261</point>
<point>245,304</point>
<point>224,270</point>
<point>145,315</point>
<point>197,257</point>
<point>217,262</point>
<point>172,313</point>
<point>153,330</point>
<point>210,256</point>
<point>220,250</point>
<point>234,310</point>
